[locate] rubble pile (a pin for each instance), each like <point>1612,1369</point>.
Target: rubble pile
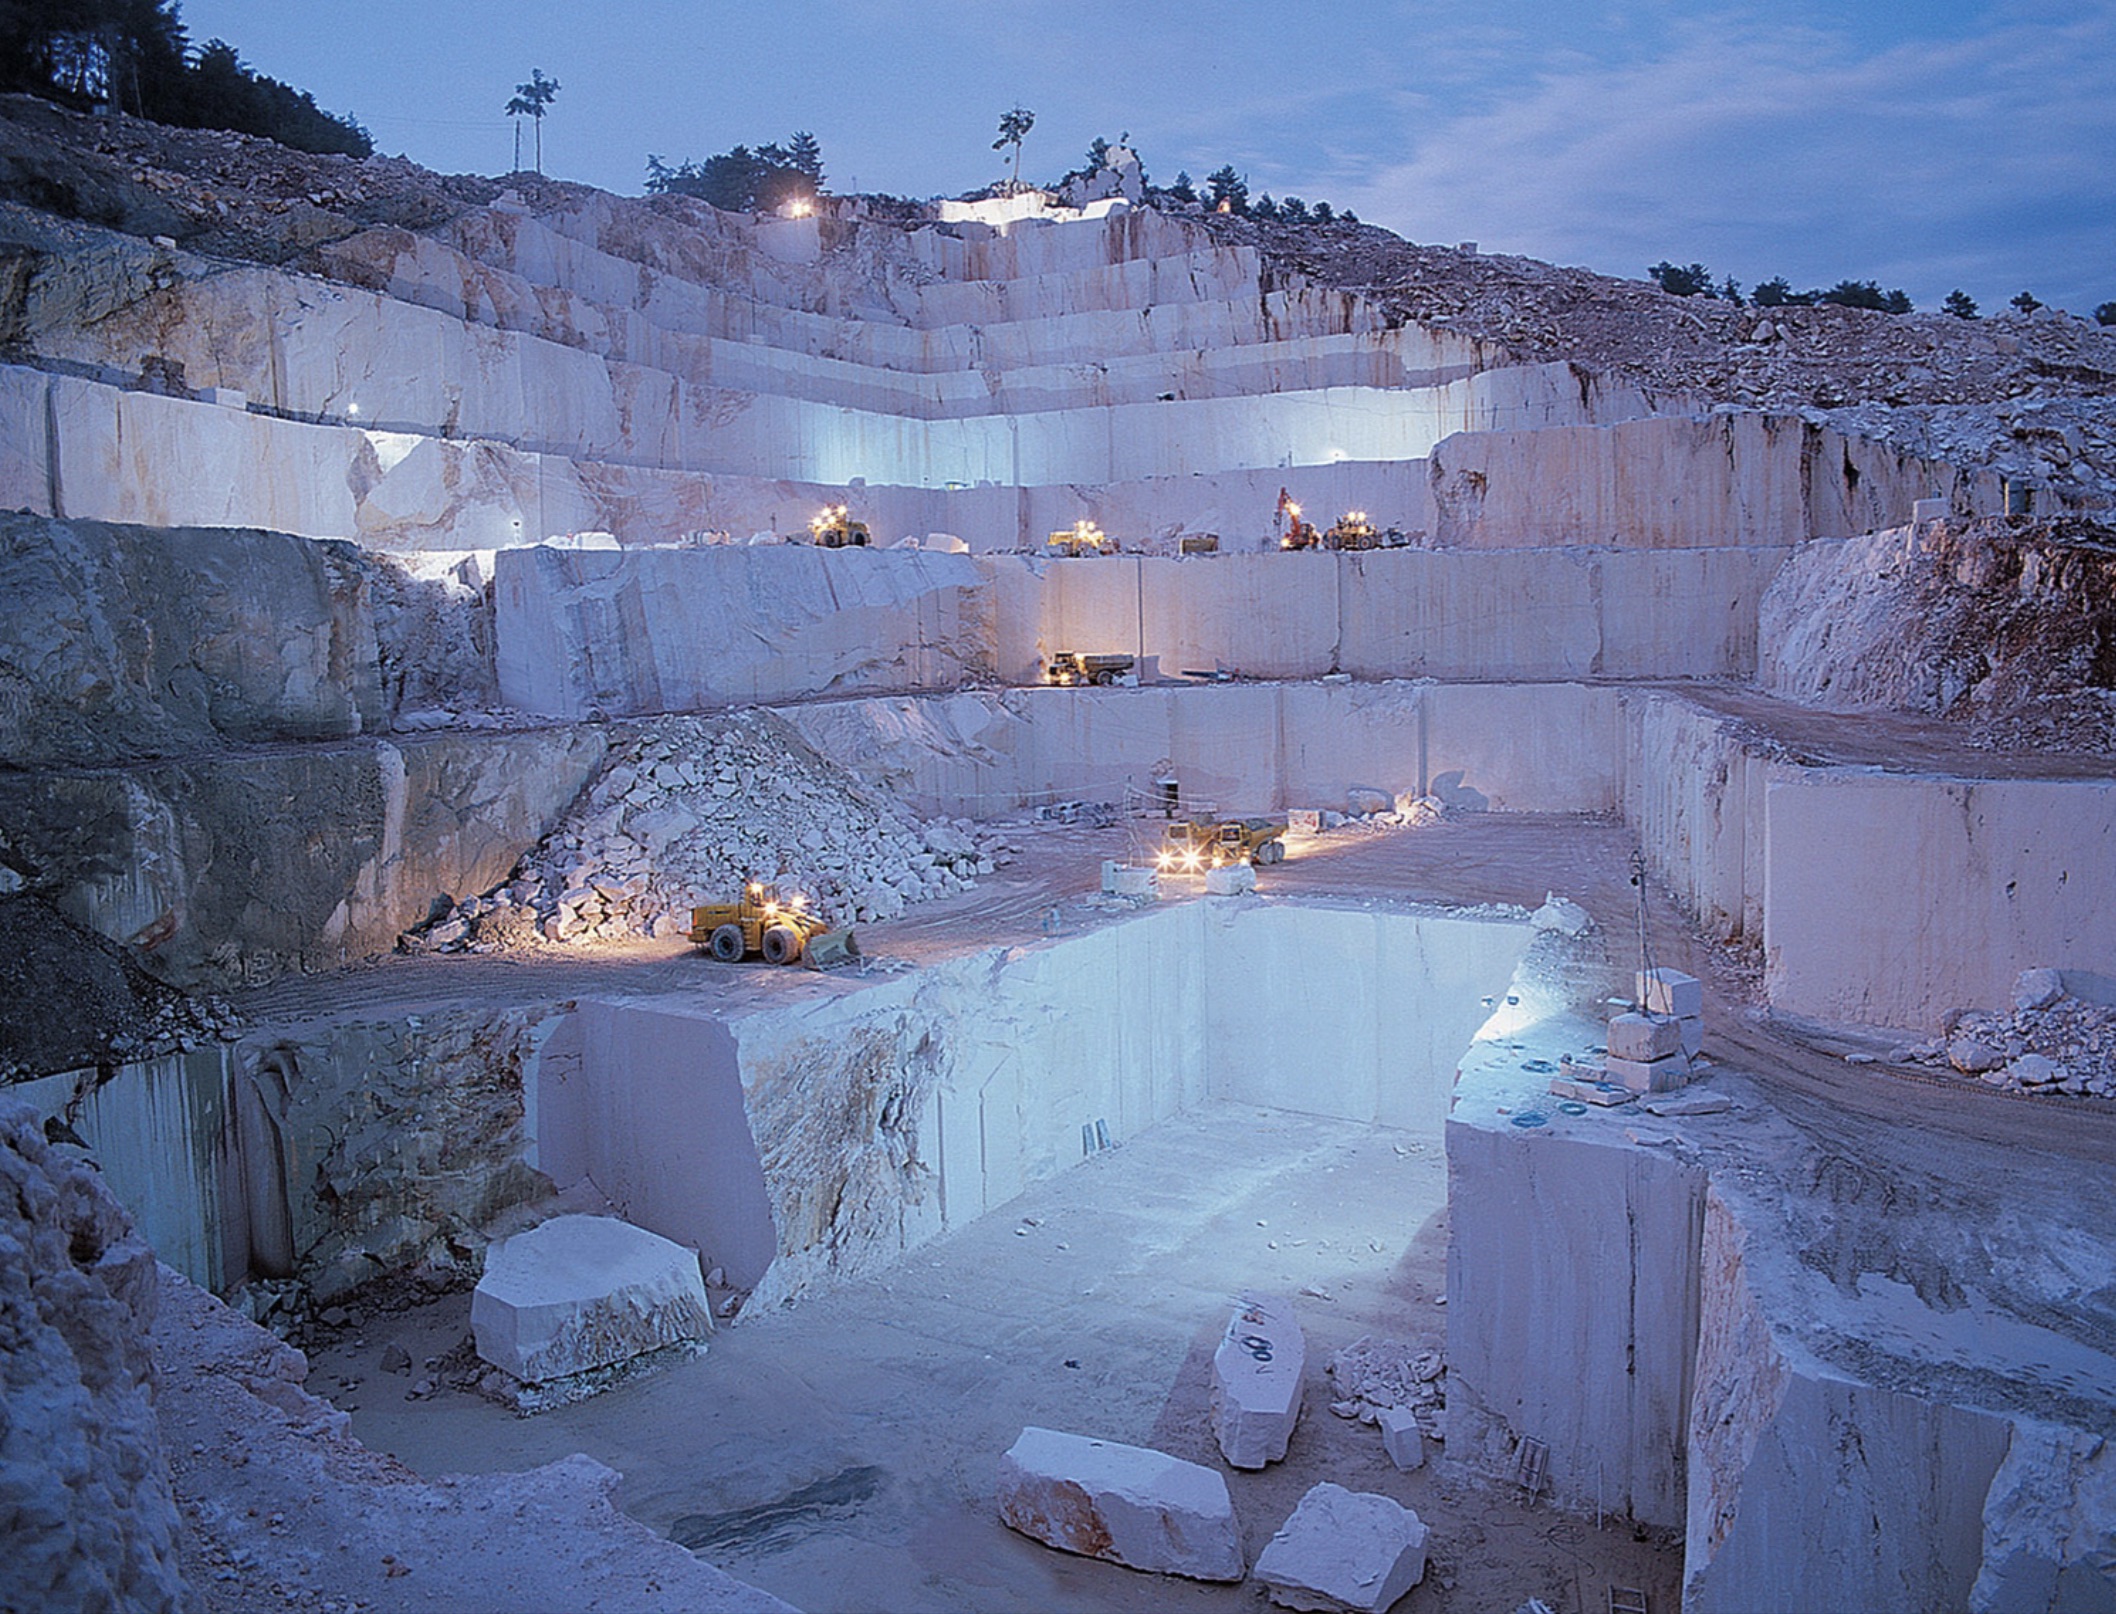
<point>85,1506</point>
<point>2050,1044</point>
<point>1372,1376</point>
<point>232,195</point>
<point>684,812</point>
<point>116,1012</point>
<point>2031,396</point>
<point>2005,624</point>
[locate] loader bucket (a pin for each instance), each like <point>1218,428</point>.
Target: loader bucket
<point>831,948</point>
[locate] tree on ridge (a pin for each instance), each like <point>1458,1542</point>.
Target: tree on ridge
<point>530,101</point>
<point>1014,128</point>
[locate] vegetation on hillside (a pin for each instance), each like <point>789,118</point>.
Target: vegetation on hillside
<point>134,55</point>
<point>742,180</point>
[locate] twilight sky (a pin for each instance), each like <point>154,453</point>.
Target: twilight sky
<point>1925,144</point>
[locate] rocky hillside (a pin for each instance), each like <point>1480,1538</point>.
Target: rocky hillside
<point>85,1506</point>
<point>2007,624</point>
<point>2032,397</point>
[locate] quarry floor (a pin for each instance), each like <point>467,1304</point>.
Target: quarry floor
<point>1515,859</point>
<point>842,1453</point>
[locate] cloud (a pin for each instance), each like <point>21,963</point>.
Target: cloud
<point>1987,159</point>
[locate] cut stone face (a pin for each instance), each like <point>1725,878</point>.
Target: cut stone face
<point>1256,1381</point>
<point>1650,1075</point>
<point>580,1292</point>
<point>1666,991</point>
<point>1693,1030</point>
<point>1128,1504</point>
<point>1401,1439</point>
<point>1349,1550</point>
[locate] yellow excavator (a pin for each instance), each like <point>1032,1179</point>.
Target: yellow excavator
<point>1293,532</point>
<point>783,931</point>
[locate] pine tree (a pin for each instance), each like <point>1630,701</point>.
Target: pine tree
<point>531,100</point>
<point>1014,128</point>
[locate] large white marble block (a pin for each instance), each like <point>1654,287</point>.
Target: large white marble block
<point>1256,1381</point>
<point>1128,1504</point>
<point>579,1292</point>
<point>1344,1550</point>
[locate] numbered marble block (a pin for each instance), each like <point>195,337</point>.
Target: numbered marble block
<point>1344,1550</point>
<point>1130,1505</point>
<point>1256,1381</point>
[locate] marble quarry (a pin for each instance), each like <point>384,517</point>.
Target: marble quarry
<point>402,635</point>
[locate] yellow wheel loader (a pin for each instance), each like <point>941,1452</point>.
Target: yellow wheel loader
<point>835,529</point>
<point>1193,845</point>
<point>1352,531</point>
<point>761,923</point>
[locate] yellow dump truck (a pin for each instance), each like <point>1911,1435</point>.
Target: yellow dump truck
<point>1087,667</point>
<point>784,930</point>
<point>1193,845</point>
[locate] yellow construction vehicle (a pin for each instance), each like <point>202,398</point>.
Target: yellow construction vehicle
<point>1086,667</point>
<point>1352,531</point>
<point>1293,533</point>
<point>784,931</point>
<point>834,529</point>
<point>1193,845</point>
<point>1081,538</point>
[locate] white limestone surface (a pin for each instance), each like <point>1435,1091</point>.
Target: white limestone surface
<point>1401,1438</point>
<point>1242,747</point>
<point>1127,1504</point>
<point>579,1292</point>
<point>1644,1036</point>
<point>1890,899</point>
<point>1572,1292</point>
<point>1256,1380</point>
<point>1693,792</point>
<point>689,629</point>
<point>1350,1551</point>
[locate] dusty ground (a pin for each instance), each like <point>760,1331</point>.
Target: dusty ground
<point>842,1453</point>
<point>282,1513</point>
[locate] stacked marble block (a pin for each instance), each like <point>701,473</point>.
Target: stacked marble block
<point>1144,1509</point>
<point>1651,1046</point>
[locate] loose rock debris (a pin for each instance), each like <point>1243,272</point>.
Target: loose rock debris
<point>1373,1375</point>
<point>688,809</point>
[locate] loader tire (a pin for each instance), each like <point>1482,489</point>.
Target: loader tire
<point>726,944</point>
<point>1271,852</point>
<point>782,945</point>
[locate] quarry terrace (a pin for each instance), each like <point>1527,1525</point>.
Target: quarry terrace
<point>1572,914</point>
